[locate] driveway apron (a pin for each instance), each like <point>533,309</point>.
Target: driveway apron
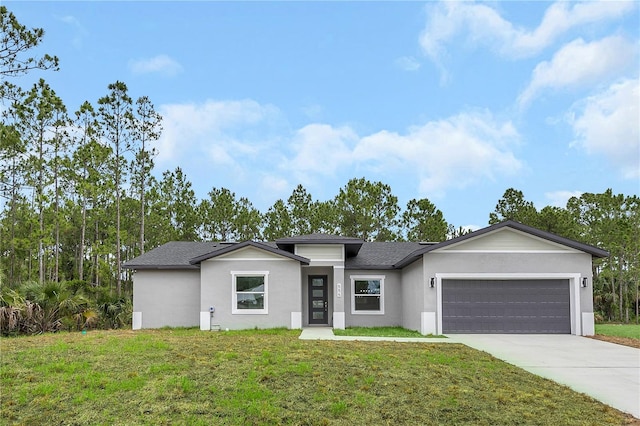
<point>605,371</point>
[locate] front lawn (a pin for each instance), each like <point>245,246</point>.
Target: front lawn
<point>630,331</point>
<point>622,334</point>
<point>378,332</point>
<point>210,378</point>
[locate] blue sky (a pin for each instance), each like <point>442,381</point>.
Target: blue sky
<point>455,102</point>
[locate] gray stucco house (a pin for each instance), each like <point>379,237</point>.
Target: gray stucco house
<point>506,278</point>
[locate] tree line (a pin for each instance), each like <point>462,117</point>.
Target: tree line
<point>79,198</point>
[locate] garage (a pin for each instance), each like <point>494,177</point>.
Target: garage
<point>524,306</point>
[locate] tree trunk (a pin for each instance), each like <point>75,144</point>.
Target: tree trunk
<point>56,276</point>
<point>118,281</point>
<point>83,228</point>
<point>142,189</point>
<point>39,190</point>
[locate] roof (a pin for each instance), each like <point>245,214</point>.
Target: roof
<point>188,255</point>
<point>238,246</point>
<point>593,251</point>
<point>381,255</point>
<point>352,245</point>
<point>360,254</point>
<point>173,255</point>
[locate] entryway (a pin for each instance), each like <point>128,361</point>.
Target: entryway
<point>318,300</point>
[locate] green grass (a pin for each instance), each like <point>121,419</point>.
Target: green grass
<point>379,332</point>
<point>166,377</point>
<point>631,331</point>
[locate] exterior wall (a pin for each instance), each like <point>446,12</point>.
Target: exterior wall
<point>284,293</point>
<point>321,252</point>
<point>166,298</point>
<point>393,301</point>
<point>571,265</point>
<point>507,239</point>
<point>413,289</point>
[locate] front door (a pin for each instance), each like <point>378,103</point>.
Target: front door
<point>318,300</point>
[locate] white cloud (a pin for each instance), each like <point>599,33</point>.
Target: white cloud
<point>450,153</point>
<point>162,64</point>
<point>313,111</point>
<point>560,198</point>
<point>273,187</point>
<point>237,138</point>
<point>484,25</point>
<point>454,152</point>
<point>320,149</point>
<point>608,123</point>
<point>579,64</point>
<point>79,31</point>
<point>220,131</point>
<point>407,63</point>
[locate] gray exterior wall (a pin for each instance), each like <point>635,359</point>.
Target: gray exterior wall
<point>413,293</point>
<point>167,298</point>
<point>393,301</point>
<point>284,292</point>
<point>534,263</point>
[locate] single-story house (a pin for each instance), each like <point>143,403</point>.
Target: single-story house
<point>506,278</point>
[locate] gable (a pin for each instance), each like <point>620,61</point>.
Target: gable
<point>320,252</point>
<point>507,240</point>
<point>249,253</point>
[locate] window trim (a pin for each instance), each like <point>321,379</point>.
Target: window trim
<point>355,278</point>
<point>234,293</point>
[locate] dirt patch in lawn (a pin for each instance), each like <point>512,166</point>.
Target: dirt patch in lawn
<point>626,341</point>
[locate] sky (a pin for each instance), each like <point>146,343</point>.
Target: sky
<point>451,101</point>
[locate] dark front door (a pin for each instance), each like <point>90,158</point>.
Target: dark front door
<point>318,300</point>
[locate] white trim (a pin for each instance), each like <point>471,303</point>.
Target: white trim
<point>428,323</point>
<point>353,279</point>
<point>509,251</point>
<point>588,324</point>
<point>574,289</point>
<point>339,320</point>
<point>234,293</point>
<point>205,321</point>
<point>276,258</point>
<point>296,320</point>
<point>136,321</point>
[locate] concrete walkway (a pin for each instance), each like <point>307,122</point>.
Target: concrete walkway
<point>605,371</point>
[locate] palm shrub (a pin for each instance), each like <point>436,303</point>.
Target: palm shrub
<point>115,312</point>
<point>11,308</point>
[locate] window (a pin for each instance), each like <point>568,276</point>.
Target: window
<point>367,294</point>
<point>249,292</point>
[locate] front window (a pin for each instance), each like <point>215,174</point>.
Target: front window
<point>367,294</point>
<point>249,292</point>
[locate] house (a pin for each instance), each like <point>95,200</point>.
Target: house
<point>506,278</point>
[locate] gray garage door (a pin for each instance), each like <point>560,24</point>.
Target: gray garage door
<point>502,306</point>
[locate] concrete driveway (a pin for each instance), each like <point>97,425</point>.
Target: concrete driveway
<point>605,371</point>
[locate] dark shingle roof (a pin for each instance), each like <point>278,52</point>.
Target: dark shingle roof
<point>238,246</point>
<point>381,255</point>
<point>188,255</point>
<point>351,245</point>
<point>360,254</point>
<point>173,255</point>
<point>318,239</point>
